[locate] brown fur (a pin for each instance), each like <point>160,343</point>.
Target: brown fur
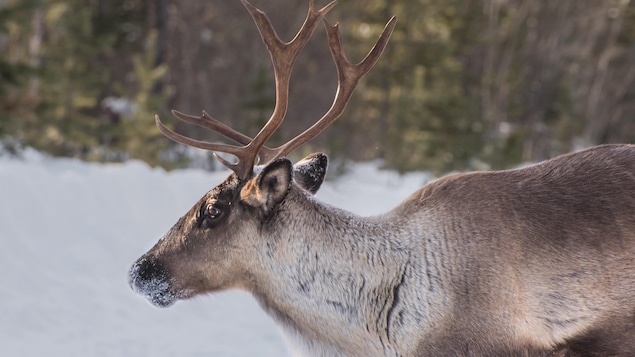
<point>564,230</point>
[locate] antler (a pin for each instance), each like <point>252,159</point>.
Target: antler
<point>348,77</point>
<point>283,56</point>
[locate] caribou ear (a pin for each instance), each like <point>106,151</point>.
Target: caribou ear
<point>270,186</point>
<point>309,172</point>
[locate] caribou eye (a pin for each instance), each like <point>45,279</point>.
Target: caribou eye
<point>212,212</point>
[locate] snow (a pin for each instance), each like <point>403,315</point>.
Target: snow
<point>70,230</point>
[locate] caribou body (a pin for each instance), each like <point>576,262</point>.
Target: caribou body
<point>537,261</point>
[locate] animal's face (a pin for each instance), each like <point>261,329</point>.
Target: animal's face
<point>214,245</point>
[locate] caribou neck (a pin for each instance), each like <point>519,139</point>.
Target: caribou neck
<point>327,270</point>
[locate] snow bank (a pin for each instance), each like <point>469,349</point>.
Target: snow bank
<point>70,230</point>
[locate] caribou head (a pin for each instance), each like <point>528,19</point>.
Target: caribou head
<point>211,246</point>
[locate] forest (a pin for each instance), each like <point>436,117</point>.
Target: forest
<point>463,84</point>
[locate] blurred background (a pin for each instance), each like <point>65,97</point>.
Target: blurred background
<point>463,84</point>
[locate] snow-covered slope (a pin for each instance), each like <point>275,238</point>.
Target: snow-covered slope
<point>70,230</point>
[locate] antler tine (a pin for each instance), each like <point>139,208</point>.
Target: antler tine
<point>348,77</point>
<point>229,149</point>
<point>207,121</point>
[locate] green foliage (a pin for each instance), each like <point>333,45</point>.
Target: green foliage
<point>62,65</point>
<point>430,122</point>
<point>14,69</point>
<point>462,82</point>
<point>467,82</point>
<point>138,135</point>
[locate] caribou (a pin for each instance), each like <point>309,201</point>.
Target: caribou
<point>536,261</point>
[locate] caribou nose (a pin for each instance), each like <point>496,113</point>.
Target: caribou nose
<point>149,278</point>
<point>143,271</point>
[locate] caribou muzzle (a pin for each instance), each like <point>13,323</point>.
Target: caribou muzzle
<point>150,278</point>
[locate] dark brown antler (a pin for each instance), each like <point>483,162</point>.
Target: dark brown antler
<point>283,56</point>
<point>348,77</point>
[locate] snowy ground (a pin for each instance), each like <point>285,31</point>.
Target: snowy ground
<point>69,231</point>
